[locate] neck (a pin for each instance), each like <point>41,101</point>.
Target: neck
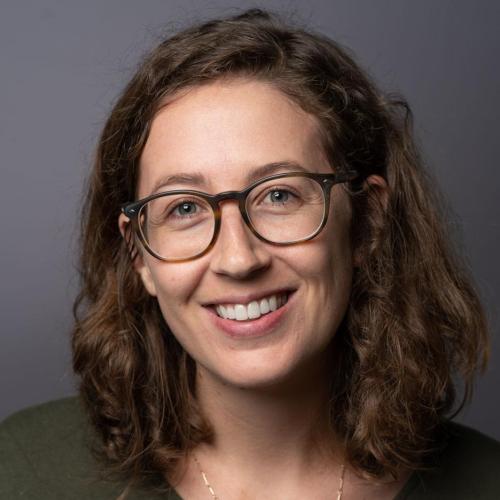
<point>280,426</point>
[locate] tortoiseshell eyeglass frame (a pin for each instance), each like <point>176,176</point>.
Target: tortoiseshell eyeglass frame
<point>133,209</point>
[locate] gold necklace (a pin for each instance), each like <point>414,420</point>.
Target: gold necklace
<point>215,497</point>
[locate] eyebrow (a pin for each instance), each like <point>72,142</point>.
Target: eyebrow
<point>199,179</point>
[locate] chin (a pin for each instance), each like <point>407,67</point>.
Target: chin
<point>256,376</point>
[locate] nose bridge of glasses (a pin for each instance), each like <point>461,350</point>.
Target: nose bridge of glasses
<point>238,196</point>
<point>229,195</point>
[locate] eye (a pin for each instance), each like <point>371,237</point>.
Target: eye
<point>175,212</point>
<point>185,208</point>
<point>279,195</point>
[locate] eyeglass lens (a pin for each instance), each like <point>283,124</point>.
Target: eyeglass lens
<point>283,210</point>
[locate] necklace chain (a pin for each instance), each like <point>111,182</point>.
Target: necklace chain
<point>215,497</point>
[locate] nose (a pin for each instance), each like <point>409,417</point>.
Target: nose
<point>237,253</point>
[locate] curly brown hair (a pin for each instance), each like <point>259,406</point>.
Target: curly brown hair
<point>414,328</point>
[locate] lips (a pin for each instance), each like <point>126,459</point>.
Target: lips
<point>260,326</point>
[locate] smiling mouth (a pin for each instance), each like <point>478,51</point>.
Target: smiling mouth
<point>252,310</point>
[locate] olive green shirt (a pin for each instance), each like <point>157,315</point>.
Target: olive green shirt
<point>44,454</point>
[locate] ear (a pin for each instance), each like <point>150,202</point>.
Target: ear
<point>379,188</point>
<point>139,262</point>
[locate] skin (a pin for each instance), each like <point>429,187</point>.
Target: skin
<point>265,397</point>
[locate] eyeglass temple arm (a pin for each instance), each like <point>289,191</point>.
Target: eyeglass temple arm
<point>339,177</point>
<point>130,210</point>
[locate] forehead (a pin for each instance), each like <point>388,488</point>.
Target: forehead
<point>223,130</point>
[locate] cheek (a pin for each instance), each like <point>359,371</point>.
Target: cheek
<point>338,241</point>
<point>327,258</point>
<point>339,261</point>
<point>175,284</point>
<point>327,269</point>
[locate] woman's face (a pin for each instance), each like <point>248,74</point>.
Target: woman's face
<point>225,131</point>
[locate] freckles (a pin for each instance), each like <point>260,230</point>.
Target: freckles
<point>177,280</point>
<point>166,285</point>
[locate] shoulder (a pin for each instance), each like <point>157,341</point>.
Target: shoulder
<point>45,421</point>
<point>45,432</point>
<point>467,467</point>
<point>465,441</point>
<point>45,452</point>
<point>473,456</point>
<point>40,433</point>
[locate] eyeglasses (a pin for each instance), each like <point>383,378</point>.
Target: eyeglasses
<point>282,209</point>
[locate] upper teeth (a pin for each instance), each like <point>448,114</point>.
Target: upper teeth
<point>252,310</point>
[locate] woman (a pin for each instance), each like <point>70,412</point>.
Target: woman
<point>270,307</point>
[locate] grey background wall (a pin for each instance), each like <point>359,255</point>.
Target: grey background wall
<point>62,65</point>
